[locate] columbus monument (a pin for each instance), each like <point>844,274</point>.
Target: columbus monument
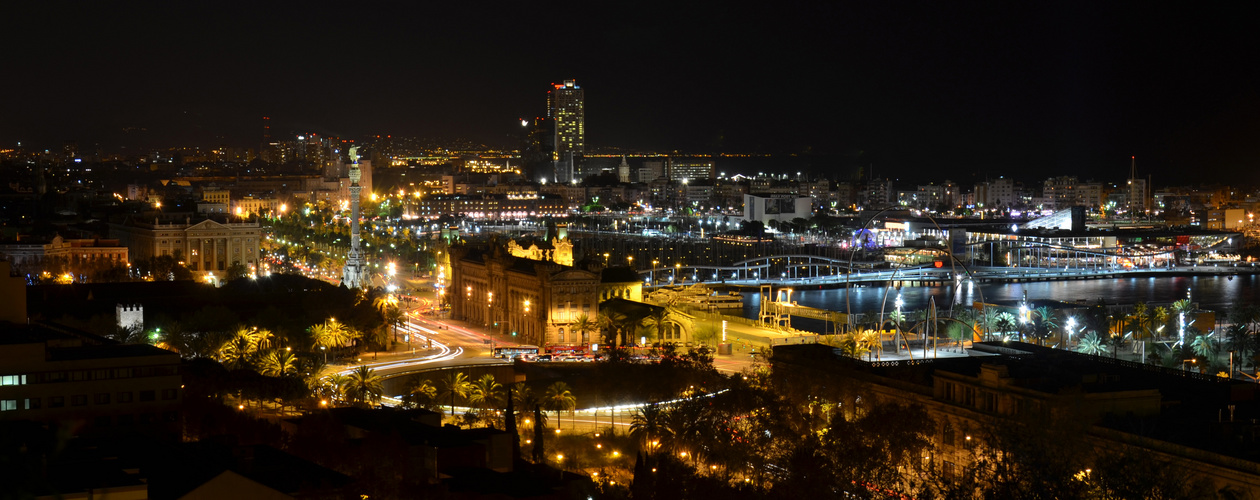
<point>355,274</point>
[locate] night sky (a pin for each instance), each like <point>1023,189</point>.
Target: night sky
<point>926,90</point>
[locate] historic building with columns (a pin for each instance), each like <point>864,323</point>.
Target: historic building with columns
<point>205,245</point>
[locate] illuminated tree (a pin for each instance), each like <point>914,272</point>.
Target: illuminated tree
<point>1090,344</point>
<point>583,325</point>
<point>486,391</point>
<point>455,384</point>
<point>1004,322</point>
<point>559,398</point>
<point>1047,322</point>
<point>648,426</point>
<point>419,393</point>
<point>332,334</point>
<point>278,363</point>
<point>363,386</point>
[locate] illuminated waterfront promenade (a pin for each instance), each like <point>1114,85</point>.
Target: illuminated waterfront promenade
<point>828,275</point>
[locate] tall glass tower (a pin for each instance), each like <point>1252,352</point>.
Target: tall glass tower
<point>566,107</point>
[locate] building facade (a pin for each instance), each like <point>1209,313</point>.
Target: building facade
<point>537,302</point>
<point>764,208</point>
<point>1061,193</point>
<point>85,250</point>
<point>690,169</point>
<point>52,377</point>
<point>981,404</point>
<point>488,206</point>
<point>207,245</point>
<point>566,104</point>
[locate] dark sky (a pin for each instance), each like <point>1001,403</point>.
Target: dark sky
<point>931,90</point>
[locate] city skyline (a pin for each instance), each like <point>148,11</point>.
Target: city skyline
<point>912,89</point>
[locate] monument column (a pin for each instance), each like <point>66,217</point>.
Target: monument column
<point>354,274</point>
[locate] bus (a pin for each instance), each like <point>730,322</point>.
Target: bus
<point>514,351</point>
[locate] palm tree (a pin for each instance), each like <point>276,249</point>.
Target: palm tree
<point>455,384</point>
<point>487,391</point>
<point>420,393</point>
<point>1116,340</point>
<point>332,334</point>
<point>524,400</point>
<point>1119,322</point>
<point>583,324</point>
<point>175,338</point>
<point>333,386</point>
<point>363,386</point>
<point>987,319</point>
<point>897,317</point>
<point>648,426</point>
<point>959,333</point>
<point>1047,321</point>
<point>394,317</point>
<point>1141,320</point>
<point>1183,308</point>
<point>658,321</point>
<point>235,352</point>
<point>559,398</point>
<point>278,363</point>
<point>127,334</point>
<point>1090,344</point>
<point>1004,322</point>
<point>1160,318</point>
<point>1205,346</point>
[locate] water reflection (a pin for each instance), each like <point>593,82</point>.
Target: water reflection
<point>1214,293</point>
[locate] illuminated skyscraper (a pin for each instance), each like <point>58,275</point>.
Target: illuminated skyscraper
<point>566,107</point>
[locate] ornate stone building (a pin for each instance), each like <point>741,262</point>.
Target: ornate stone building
<point>206,246</point>
<point>537,302</point>
<point>34,252</point>
<point>560,251</point>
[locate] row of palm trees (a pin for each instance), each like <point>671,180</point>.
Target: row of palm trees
<point>620,328</point>
<point>486,395</point>
<point>359,388</point>
<point>1100,327</point>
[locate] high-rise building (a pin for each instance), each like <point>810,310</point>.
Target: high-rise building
<point>566,108</point>
<point>1061,193</point>
<point>683,169</point>
<point>565,105</point>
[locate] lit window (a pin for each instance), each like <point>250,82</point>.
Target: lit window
<point>8,405</point>
<point>13,380</point>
